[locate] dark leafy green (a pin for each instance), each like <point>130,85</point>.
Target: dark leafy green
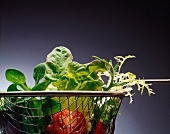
<point>39,72</point>
<point>33,113</point>
<point>15,87</point>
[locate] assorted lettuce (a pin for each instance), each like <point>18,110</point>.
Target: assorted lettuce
<point>60,72</point>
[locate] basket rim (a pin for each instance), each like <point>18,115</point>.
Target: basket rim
<point>62,93</point>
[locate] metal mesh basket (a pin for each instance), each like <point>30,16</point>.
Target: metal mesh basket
<point>58,112</point>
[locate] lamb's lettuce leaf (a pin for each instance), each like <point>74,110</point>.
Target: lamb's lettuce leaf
<point>16,77</point>
<point>14,87</point>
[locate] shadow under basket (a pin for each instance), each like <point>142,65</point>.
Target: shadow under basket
<point>59,112</point>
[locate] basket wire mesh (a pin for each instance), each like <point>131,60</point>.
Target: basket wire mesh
<point>60,112</point>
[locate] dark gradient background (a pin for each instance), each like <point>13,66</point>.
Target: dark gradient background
<point>30,29</point>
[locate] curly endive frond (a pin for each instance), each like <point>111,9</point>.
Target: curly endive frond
<point>124,82</point>
<point>121,60</point>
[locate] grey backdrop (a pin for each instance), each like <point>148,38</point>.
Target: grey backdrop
<point>30,29</point>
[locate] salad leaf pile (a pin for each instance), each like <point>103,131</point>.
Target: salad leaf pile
<point>60,72</point>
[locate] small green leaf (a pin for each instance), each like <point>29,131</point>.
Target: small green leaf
<point>41,86</point>
<point>39,72</point>
<point>15,76</point>
<point>14,87</point>
<point>116,67</point>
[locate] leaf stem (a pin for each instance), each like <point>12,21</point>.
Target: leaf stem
<point>25,87</point>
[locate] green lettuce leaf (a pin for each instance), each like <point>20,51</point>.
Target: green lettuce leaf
<point>57,63</point>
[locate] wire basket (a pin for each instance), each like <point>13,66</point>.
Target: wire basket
<point>59,112</point>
